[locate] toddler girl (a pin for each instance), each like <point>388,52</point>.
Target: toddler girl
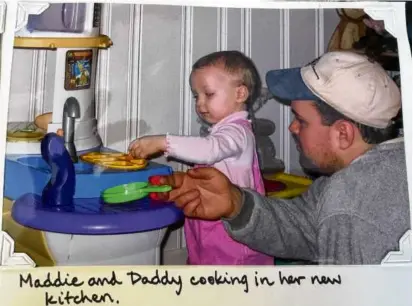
<point>224,84</point>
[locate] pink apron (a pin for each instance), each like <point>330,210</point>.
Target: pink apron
<point>208,243</point>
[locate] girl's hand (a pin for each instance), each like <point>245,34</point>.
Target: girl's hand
<point>147,145</point>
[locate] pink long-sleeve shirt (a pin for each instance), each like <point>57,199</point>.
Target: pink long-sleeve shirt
<point>230,148</point>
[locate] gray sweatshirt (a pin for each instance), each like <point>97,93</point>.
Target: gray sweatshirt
<point>356,216</point>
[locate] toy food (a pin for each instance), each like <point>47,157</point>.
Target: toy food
<point>114,160</point>
<point>43,120</point>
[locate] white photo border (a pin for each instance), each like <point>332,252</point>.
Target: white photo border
<point>393,14</point>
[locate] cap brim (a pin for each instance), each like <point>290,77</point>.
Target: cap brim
<point>287,85</point>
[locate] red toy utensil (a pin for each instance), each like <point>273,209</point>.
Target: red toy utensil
<point>155,180</point>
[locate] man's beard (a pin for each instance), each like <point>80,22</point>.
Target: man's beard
<point>308,166</point>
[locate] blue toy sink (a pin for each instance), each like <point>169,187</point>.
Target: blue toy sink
<point>37,162</point>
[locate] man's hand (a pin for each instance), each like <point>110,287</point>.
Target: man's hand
<point>203,193</point>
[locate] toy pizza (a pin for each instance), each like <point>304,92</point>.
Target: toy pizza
<point>112,160</point>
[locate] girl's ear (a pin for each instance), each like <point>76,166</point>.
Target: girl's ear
<point>242,94</point>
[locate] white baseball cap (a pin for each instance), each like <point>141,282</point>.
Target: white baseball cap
<point>351,83</point>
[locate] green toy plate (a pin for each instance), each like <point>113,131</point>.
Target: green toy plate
<point>131,192</point>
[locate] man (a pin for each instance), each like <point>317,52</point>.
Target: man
<point>343,105</point>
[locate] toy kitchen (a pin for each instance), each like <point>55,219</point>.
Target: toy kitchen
<point>56,167</point>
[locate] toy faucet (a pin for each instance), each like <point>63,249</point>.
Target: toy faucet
<point>71,111</point>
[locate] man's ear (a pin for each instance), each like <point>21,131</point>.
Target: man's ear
<point>343,134</point>
<point>242,94</point>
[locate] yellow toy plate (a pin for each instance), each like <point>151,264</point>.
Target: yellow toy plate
<point>118,161</point>
<point>122,165</point>
<point>26,136</point>
<point>296,185</point>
